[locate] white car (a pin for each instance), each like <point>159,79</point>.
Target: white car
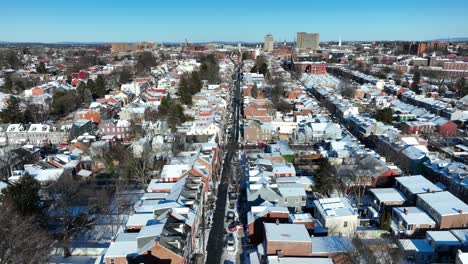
<point>231,242</point>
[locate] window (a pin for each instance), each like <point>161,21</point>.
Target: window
<point>409,227</point>
<point>345,224</point>
<point>112,261</point>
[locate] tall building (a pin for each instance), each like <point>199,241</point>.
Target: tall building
<point>268,43</point>
<point>308,40</point>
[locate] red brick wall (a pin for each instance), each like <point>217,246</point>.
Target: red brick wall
<point>163,253</point>
<point>448,129</point>
<point>289,248</point>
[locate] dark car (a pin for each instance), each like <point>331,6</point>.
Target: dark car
<point>235,226</point>
<point>230,215</point>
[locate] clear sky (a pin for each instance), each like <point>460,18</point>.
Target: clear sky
<point>230,20</point>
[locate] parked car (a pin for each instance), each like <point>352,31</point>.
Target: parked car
<point>230,216</point>
<point>235,226</point>
<point>231,242</point>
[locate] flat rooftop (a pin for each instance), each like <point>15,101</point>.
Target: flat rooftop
<point>334,207</point>
<point>444,203</point>
<point>414,215</point>
<point>443,238</point>
<point>417,245</point>
<point>417,184</point>
<point>331,244</point>
<point>286,232</point>
<point>388,195</point>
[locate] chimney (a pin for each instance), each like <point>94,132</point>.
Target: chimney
<point>405,211</point>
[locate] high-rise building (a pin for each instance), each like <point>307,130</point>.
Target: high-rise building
<point>268,43</point>
<point>308,40</point>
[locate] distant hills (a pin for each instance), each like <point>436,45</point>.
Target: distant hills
<point>84,43</point>
<point>452,39</point>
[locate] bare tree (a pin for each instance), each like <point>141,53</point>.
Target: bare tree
<point>144,167</point>
<point>382,250</point>
<point>21,239</point>
<point>69,210</point>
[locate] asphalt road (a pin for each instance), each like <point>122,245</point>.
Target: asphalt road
<point>216,240</point>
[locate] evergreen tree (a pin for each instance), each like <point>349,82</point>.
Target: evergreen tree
<point>91,85</point>
<point>81,91</point>
<point>462,87</point>
<point>99,88</point>
<point>87,97</point>
<point>41,68</point>
<point>195,83</point>
<point>385,115</point>
<point>416,80</point>
<point>386,221</point>
<point>325,178</point>
<point>8,85</point>
<point>11,113</point>
<point>24,195</point>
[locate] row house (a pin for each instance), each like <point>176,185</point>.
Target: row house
<point>436,247</point>
<point>120,129</point>
<point>418,127</point>
<point>256,131</point>
<point>410,221</point>
<point>167,230</point>
<point>317,131</point>
<point>447,210</point>
<point>153,96</point>
<point>453,175</point>
<point>290,195</point>
<point>413,185</point>
<point>36,134</point>
<point>292,243</point>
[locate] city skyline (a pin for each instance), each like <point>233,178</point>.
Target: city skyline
<point>115,21</point>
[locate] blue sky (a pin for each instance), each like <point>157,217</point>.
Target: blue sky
<point>230,20</point>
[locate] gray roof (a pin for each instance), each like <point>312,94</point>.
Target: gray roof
<point>331,244</point>
<point>286,233</point>
<point>414,153</point>
<point>125,244</point>
<point>415,215</point>
<point>443,238</point>
<point>291,189</point>
<point>444,203</point>
<point>388,195</point>
<point>417,184</point>
<point>334,207</point>
<point>461,234</point>
<point>140,219</point>
<point>418,245</point>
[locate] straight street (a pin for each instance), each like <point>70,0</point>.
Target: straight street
<point>216,240</point>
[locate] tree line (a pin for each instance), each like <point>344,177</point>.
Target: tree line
<point>191,83</point>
